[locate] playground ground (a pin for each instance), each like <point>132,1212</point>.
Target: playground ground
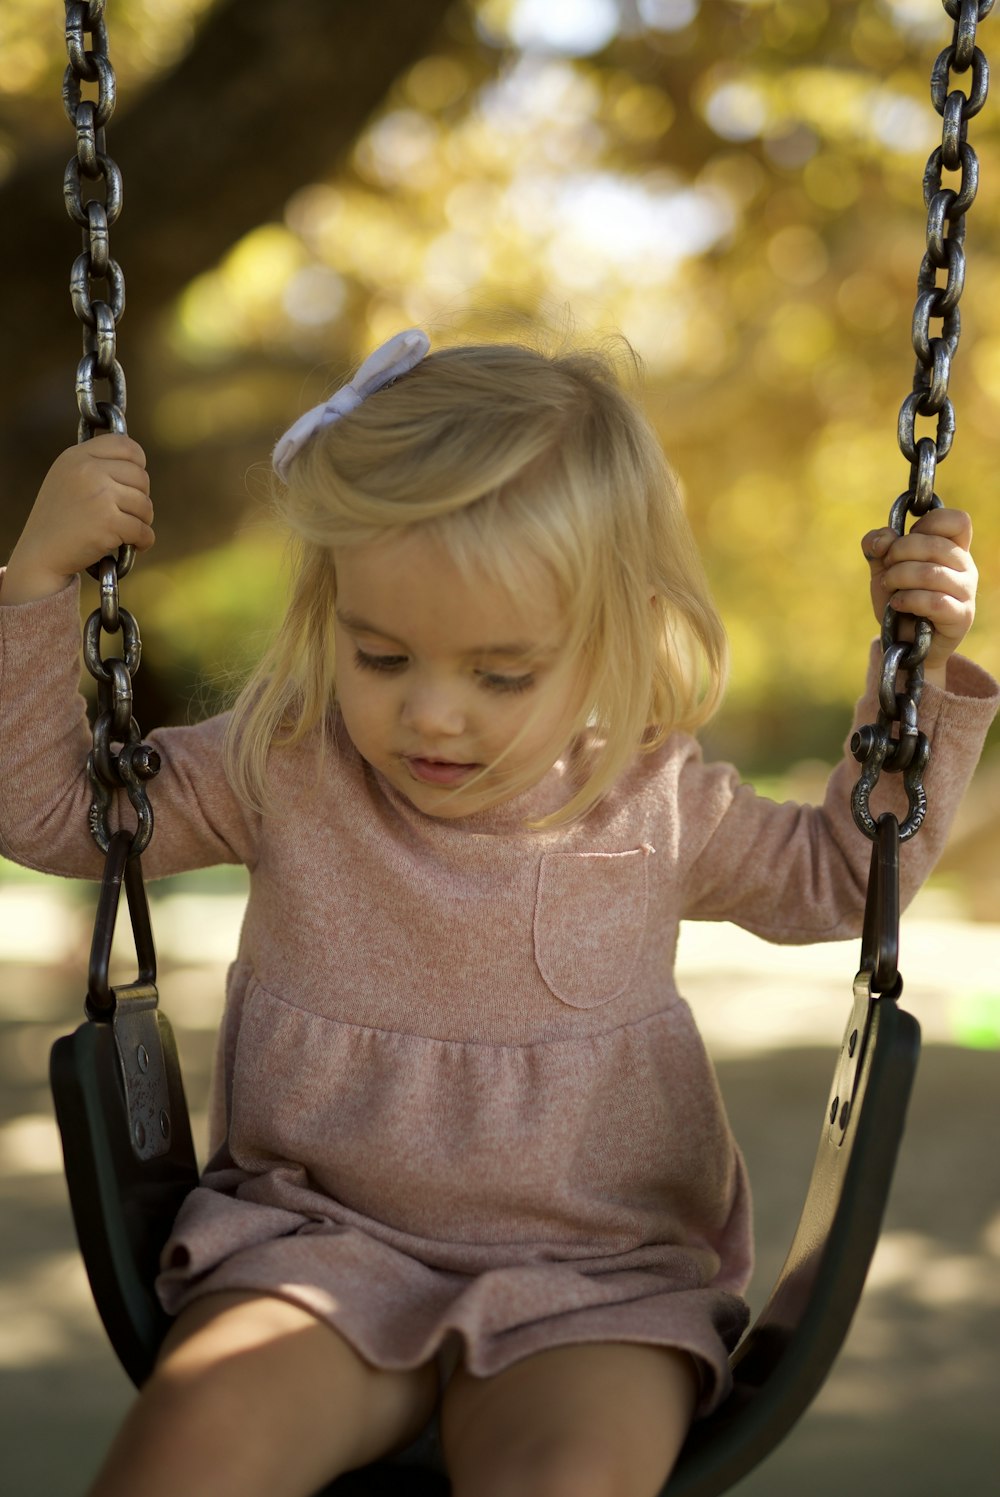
<point>911,1405</point>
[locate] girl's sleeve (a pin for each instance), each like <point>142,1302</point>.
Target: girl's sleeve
<point>796,873</point>
<point>44,741</point>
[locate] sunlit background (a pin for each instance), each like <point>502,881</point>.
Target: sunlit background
<point>734,185</point>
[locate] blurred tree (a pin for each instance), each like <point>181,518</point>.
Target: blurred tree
<point>264,98</point>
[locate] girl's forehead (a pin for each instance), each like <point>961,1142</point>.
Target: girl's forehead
<point>414,582</point>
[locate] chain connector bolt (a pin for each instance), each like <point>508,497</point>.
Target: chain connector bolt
<point>145,762</point>
<point>863,742</point>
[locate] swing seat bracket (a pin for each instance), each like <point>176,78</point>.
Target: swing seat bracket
<point>852,1051</point>
<point>143,1070</point>
<point>131,1008</point>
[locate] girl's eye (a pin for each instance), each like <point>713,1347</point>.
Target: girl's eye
<point>367,662</point>
<point>391,664</point>
<point>506,683</point>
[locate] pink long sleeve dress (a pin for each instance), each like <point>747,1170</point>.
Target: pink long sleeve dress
<point>458,1098</point>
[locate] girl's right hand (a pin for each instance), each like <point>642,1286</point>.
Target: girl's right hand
<point>94,498</point>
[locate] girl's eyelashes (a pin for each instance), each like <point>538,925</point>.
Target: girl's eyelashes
<point>491,680</point>
<point>369,662</point>
<point>506,683</point>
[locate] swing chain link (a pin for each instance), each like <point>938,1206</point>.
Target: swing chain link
<point>875,746</point>
<point>92,189</point>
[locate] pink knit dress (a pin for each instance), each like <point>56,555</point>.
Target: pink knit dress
<point>458,1098</point>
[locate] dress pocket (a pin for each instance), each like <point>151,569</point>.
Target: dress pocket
<point>590,917</point>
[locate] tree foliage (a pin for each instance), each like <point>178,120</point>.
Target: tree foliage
<point>734,184</point>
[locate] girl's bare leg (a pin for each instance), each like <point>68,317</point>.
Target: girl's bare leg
<point>254,1397</point>
<point>600,1420</point>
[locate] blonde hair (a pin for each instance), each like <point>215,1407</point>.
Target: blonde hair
<point>502,451</point>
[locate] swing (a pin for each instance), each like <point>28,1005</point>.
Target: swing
<point>116,1081</point>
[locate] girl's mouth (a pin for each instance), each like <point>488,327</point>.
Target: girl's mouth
<point>439,771</point>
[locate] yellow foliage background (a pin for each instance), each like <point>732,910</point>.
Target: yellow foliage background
<point>735,185</point>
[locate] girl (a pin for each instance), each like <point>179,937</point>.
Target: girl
<point>466,1136</point>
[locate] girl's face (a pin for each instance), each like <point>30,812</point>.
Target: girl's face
<point>440,673</point>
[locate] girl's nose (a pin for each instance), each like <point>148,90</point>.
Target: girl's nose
<point>433,710</point>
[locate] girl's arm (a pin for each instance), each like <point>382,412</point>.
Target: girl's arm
<point>44,736</point>
<point>794,873</point>
<point>799,873</point>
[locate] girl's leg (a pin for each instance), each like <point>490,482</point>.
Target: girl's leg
<point>600,1420</point>
<point>254,1397</point>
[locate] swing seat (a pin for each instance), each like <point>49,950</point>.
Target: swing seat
<point>124,1206</point>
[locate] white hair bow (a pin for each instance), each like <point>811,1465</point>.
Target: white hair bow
<point>396,357</point>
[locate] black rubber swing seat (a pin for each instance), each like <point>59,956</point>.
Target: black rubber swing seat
<point>130,1161</point>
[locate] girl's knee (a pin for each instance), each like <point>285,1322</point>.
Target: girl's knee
<point>285,1390</point>
<point>576,1421</point>
<point>559,1468</point>
<point>172,1436</point>
<point>205,1392</point>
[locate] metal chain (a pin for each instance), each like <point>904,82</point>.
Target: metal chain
<point>875,747</point>
<point>92,188</point>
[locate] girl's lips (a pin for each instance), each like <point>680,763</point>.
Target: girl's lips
<point>439,771</point>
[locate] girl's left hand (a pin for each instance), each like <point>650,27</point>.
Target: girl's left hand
<point>930,573</point>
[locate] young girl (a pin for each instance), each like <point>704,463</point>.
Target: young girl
<point>466,1137</point>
